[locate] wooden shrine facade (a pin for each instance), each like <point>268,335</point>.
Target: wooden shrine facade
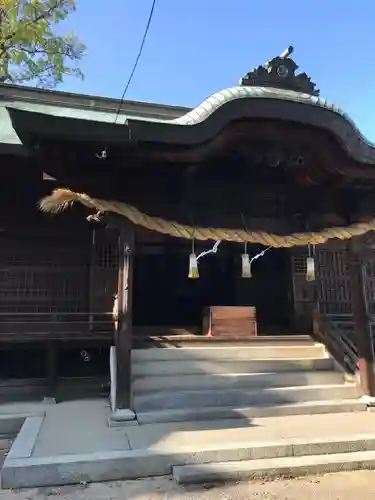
<point>267,164</point>
<point>58,280</point>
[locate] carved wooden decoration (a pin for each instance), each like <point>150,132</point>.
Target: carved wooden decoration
<point>280,72</point>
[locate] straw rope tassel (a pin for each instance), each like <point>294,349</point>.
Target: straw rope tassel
<point>246,264</point>
<point>193,264</point>
<point>310,267</point>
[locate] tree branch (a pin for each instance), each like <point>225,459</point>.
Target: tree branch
<point>29,47</point>
<point>35,51</point>
<point>47,13</point>
<point>42,16</point>
<point>48,68</point>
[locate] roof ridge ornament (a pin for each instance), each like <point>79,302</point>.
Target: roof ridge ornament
<point>280,72</point>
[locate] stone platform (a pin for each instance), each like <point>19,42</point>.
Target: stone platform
<point>71,443</point>
<point>202,413</point>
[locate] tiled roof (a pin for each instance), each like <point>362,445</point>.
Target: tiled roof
<point>261,102</point>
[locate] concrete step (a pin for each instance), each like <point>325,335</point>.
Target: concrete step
<point>235,381</point>
<point>287,448</point>
<point>224,413</point>
<point>229,353</point>
<point>239,397</point>
<point>192,466</point>
<point>271,468</point>
<point>178,339</point>
<point>157,449</point>
<point>203,367</point>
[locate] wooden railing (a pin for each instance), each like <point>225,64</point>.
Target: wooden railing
<point>35,326</point>
<point>336,332</point>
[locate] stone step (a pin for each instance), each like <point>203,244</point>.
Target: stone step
<point>285,448</point>
<point>229,353</point>
<point>202,367</point>
<point>272,468</point>
<point>239,397</point>
<point>235,381</point>
<point>178,338</point>
<point>224,413</point>
<point>202,341</point>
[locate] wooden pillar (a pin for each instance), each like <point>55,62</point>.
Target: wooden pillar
<point>51,369</point>
<point>360,316</point>
<point>91,283</point>
<point>123,331</point>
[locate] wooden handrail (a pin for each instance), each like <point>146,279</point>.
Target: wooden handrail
<point>338,343</point>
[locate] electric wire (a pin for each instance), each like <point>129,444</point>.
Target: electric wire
<point>137,59</point>
<point>102,155</point>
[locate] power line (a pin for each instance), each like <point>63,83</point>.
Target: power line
<point>103,154</point>
<point>137,59</point>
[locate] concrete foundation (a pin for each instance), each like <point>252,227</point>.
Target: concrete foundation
<point>88,450</point>
<point>228,413</point>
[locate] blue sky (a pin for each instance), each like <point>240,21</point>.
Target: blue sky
<point>196,47</point>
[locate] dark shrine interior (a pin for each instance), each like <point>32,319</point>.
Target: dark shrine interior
<point>164,296</point>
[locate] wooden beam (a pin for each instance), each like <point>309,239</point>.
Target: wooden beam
<point>123,331</point>
<point>360,316</point>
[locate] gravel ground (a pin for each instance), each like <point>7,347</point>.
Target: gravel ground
<point>340,486</point>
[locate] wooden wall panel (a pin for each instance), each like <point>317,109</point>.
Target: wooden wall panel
<point>332,290</point>
<point>54,282</point>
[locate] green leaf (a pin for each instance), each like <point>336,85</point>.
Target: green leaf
<point>30,49</point>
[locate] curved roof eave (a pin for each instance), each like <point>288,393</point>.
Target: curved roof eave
<point>208,119</point>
